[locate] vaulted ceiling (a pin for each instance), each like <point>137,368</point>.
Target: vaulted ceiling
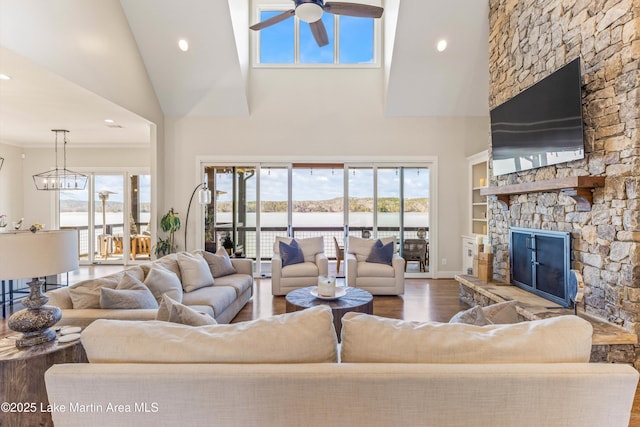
<point>211,79</point>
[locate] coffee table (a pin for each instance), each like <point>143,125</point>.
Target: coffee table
<point>356,300</point>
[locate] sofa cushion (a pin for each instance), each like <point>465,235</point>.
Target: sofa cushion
<point>310,246</point>
<point>502,312</point>
<point>373,339</point>
<point>171,310</point>
<point>303,269</point>
<point>361,248</point>
<point>195,271</point>
<point>306,336</point>
<point>130,293</point>
<point>240,282</point>
<point>161,281</point>
<point>170,262</point>
<point>216,297</point>
<point>290,253</point>
<point>86,294</point>
<point>472,316</point>
<point>374,269</point>
<point>381,253</point>
<point>219,263</point>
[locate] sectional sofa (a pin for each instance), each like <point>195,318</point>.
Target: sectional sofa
<point>209,283</point>
<point>288,370</point>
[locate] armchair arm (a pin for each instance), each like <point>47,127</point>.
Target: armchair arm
<point>398,272</point>
<point>276,273</point>
<point>323,264</point>
<point>352,268</point>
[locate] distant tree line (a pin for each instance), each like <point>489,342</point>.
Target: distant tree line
<point>385,204</point>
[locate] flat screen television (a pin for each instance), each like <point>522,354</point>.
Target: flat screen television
<point>540,126</point>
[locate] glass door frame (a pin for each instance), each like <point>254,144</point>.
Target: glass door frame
<point>126,174</point>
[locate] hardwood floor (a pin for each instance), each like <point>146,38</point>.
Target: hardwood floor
<point>423,300</point>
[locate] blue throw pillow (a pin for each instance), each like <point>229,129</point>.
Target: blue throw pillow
<point>291,253</point>
<point>381,253</point>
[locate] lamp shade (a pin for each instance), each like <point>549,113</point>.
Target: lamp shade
<point>24,254</point>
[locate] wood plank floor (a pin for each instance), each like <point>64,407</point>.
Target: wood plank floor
<point>424,300</point>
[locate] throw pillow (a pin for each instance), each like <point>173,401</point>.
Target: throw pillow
<point>171,310</point>
<point>161,281</point>
<point>373,339</point>
<point>219,263</point>
<point>130,293</point>
<point>291,253</point>
<point>194,271</point>
<point>472,316</point>
<point>306,336</point>
<point>86,294</point>
<point>381,253</point>
<point>502,312</point>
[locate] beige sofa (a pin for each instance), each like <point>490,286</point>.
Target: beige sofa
<point>223,300</point>
<point>284,371</point>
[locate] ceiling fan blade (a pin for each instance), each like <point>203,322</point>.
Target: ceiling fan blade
<point>319,32</point>
<point>353,9</point>
<point>273,20</point>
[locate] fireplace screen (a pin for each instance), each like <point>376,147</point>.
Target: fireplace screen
<point>540,262</point>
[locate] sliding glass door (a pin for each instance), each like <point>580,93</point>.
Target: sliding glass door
<point>256,203</point>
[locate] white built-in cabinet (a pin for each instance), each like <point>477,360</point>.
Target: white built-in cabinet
<point>478,179</point>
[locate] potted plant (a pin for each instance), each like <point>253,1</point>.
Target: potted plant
<point>227,243</point>
<point>170,223</point>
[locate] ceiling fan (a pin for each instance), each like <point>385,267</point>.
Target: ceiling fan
<point>311,11</point>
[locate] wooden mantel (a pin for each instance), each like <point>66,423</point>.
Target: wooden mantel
<point>578,188</point>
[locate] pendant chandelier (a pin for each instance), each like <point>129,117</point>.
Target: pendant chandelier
<point>60,179</point>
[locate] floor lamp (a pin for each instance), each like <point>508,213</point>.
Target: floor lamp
<point>36,254</point>
<point>204,198</point>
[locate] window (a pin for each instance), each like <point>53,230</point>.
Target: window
<point>352,41</point>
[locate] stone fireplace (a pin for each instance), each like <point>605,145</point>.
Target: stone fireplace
<point>529,40</point>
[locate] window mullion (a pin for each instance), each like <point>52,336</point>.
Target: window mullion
<point>296,41</point>
<point>336,38</point>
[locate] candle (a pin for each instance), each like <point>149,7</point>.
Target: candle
<point>482,182</point>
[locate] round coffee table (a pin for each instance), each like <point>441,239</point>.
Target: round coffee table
<point>356,299</point>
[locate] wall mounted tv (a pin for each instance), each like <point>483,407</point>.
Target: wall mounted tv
<point>540,126</point>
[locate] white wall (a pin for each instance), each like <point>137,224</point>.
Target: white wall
<point>331,115</point>
<point>38,205</point>
<point>11,191</point>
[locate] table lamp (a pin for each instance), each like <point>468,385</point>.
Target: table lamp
<point>36,254</point>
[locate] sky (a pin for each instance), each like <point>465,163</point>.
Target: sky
<point>355,42</point>
<point>325,184</point>
<point>113,183</point>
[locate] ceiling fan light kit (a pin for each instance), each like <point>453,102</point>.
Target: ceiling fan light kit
<point>311,11</point>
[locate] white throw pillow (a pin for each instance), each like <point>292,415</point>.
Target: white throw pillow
<point>219,263</point>
<point>502,312</point>
<point>171,310</point>
<point>306,336</point>
<point>161,281</point>
<point>194,271</point>
<point>374,339</point>
<point>130,293</point>
<point>86,294</point>
<point>472,316</point>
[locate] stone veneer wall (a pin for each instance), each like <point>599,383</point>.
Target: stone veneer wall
<point>528,40</point>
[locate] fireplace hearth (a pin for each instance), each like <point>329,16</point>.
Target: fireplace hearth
<point>540,262</point>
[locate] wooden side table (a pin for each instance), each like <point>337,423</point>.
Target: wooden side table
<point>356,299</point>
<point>22,379</point>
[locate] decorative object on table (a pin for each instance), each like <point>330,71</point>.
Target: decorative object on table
<point>169,223</point>
<point>40,254</point>
<point>326,286</point>
<point>17,225</point>
<point>36,227</point>
<point>3,221</point>
<point>227,243</point>
<point>204,198</point>
<point>60,179</point>
<point>341,291</point>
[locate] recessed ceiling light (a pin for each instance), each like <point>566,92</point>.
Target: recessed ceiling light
<point>109,121</point>
<point>5,76</point>
<point>183,45</point>
<point>442,45</point>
